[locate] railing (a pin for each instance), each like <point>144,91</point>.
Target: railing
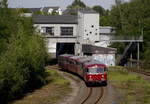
<point>114,38</point>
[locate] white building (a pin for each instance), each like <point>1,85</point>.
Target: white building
<point>50,10</point>
<point>56,29</point>
<point>88,23</point>
<point>83,29</point>
<point>71,29</point>
<point>106,33</point>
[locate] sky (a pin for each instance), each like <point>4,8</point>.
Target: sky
<point>61,3</point>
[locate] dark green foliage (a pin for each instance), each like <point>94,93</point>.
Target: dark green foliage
<point>38,13</point>
<point>120,47</point>
<point>23,10</point>
<point>22,55</point>
<point>99,9</point>
<point>105,19</point>
<point>77,4</point>
<point>133,18</point>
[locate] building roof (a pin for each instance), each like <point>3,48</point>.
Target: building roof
<point>97,50</point>
<point>33,10</point>
<point>92,62</point>
<point>55,19</point>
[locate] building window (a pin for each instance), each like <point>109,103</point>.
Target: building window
<point>47,30</point>
<point>67,31</point>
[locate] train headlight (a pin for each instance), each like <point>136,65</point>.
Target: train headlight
<point>102,76</point>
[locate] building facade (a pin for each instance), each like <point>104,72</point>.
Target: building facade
<point>61,30</point>
<point>81,29</point>
<point>56,29</point>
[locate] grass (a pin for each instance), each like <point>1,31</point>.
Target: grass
<point>56,79</point>
<point>56,88</point>
<point>134,88</point>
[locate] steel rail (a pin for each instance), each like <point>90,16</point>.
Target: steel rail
<point>90,89</point>
<point>89,94</point>
<point>101,95</point>
<point>141,72</point>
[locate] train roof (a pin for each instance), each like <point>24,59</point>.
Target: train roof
<point>66,55</point>
<point>75,57</point>
<point>84,59</point>
<point>93,62</point>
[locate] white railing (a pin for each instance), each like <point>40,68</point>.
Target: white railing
<point>114,38</point>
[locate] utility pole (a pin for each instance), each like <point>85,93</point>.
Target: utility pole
<point>131,60</point>
<point>138,54</point>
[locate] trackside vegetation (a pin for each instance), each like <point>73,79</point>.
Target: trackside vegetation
<point>22,55</point>
<point>56,88</point>
<point>133,88</point>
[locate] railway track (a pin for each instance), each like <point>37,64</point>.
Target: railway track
<point>94,94</point>
<point>140,72</point>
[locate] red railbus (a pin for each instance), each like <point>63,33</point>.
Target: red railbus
<point>90,70</point>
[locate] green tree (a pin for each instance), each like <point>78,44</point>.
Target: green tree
<point>22,55</point>
<point>105,20</point>
<point>99,9</point>
<point>133,18</point>
<point>77,4</point>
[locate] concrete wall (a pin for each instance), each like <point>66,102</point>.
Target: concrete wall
<point>108,59</point>
<point>104,41</point>
<point>51,41</point>
<point>91,27</point>
<point>88,24</point>
<point>106,33</point>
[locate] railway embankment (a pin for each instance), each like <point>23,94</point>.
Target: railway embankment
<point>134,89</point>
<point>58,88</point>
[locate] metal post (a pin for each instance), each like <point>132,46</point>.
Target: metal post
<point>131,60</point>
<point>138,53</point>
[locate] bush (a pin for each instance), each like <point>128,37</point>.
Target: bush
<point>22,61</point>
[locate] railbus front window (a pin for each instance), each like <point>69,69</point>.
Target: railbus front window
<point>95,70</point>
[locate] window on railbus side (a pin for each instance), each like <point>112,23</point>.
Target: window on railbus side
<point>105,69</point>
<point>87,70</point>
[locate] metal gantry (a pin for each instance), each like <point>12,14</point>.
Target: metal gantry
<point>133,41</point>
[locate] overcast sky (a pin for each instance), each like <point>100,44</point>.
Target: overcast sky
<point>61,3</point>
